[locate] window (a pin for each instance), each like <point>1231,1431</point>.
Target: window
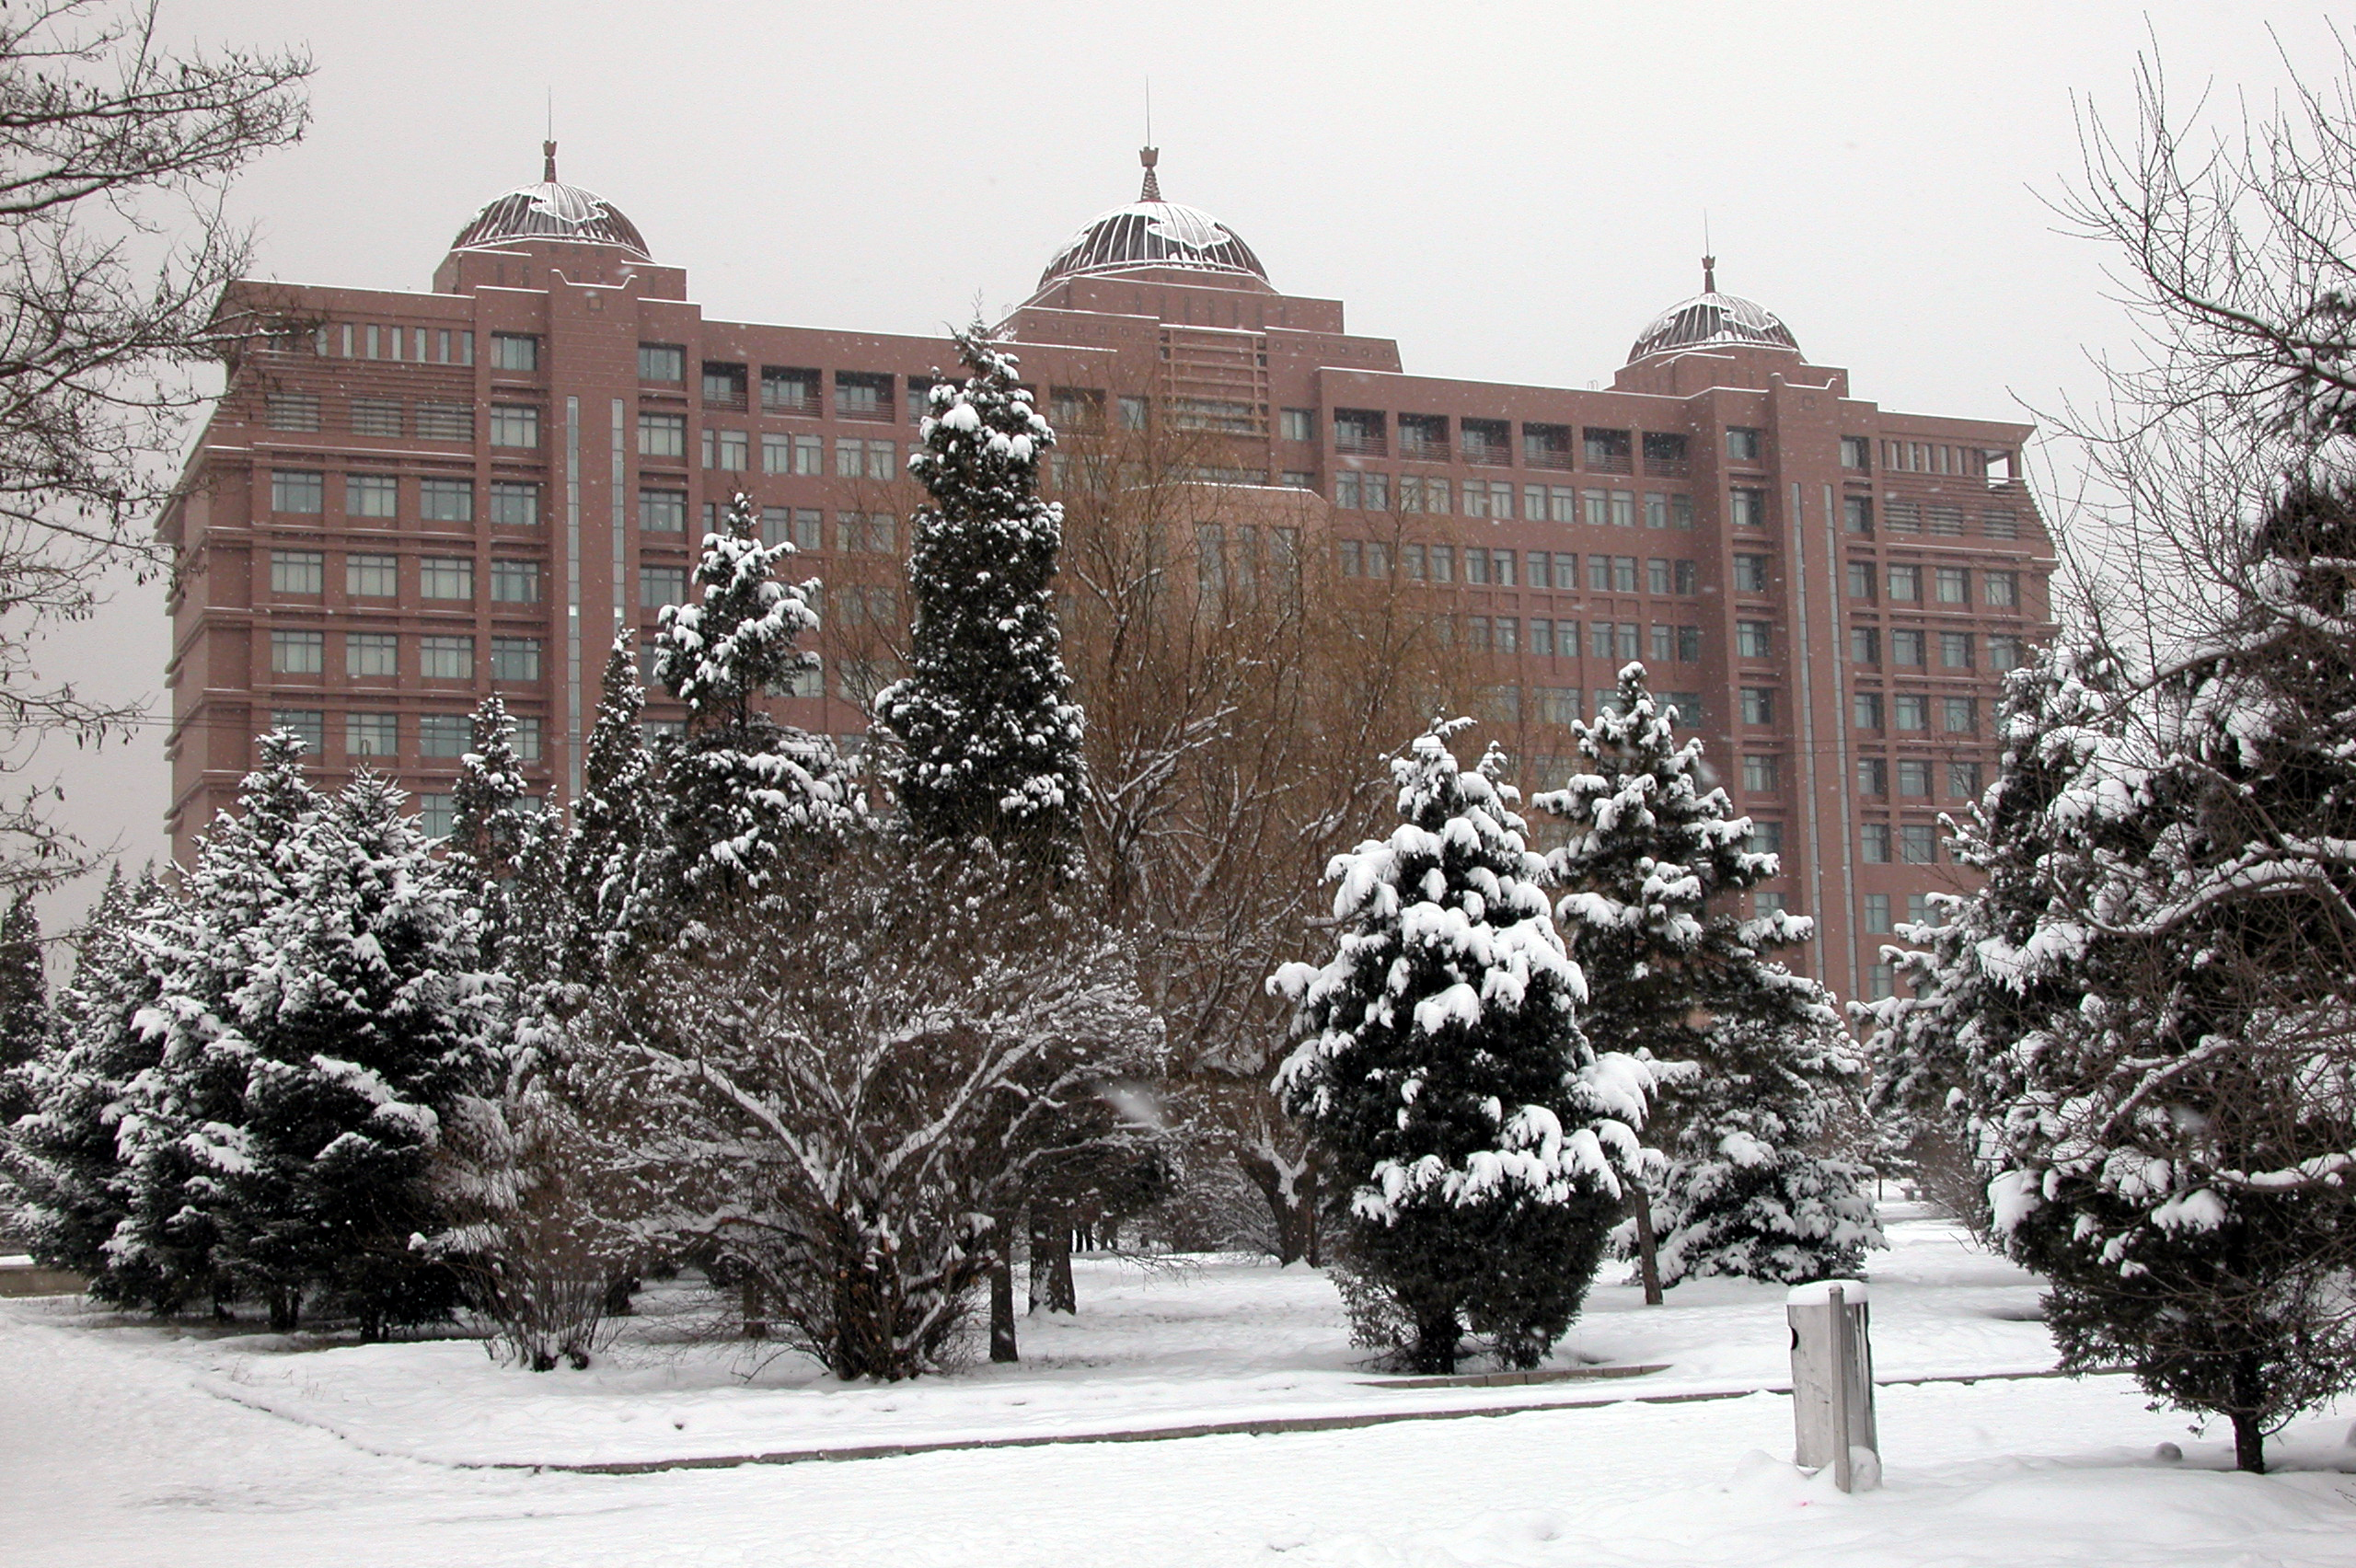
<point>1861,581</point>
<point>1766,838</point>
<point>1999,522</point>
<point>514,581</point>
<point>662,511</point>
<point>1857,513</point>
<point>1865,710</point>
<point>306,724</point>
<point>1963,780</point>
<point>2005,653</point>
<point>1750,573</point>
<point>2002,589</point>
<point>297,652</point>
<point>660,585</point>
<point>1917,844</point>
<point>375,416</point>
<point>1605,450</point>
<point>1476,566</point>
<point>809,529</point>
<point>727,450</point>
<point>515,503</point>
<point>1443,559</point>
<point>1873,776</point>
<point>1751,639</point>
<point>518,351</point>
<point>1759,776</point>
<point>1680,511</point>
<point>1745,445</point>
<point>528,738</point>
<point>1688,644</point>
<point>1915,778</point>
<point>291,410</point>
<point>1657,577</point>
<point>370,655</point>
<point>1623,642</point>
<point>1918,908</point>
<point>1856,451</point>
<point>1541,638</point>
<point>1910,710</point>
<point>1881,980</point>
<point>443,735</point>
<point>514,658</point>
<point>447,500</point>
<point>1664,454</point>
<point>1541,570</point>
<point>1546,445</point>
<point>1873,839</point>
<point>446,577</point>
<point>371,735</point>
<point>866,459</point>
<point>1508,634</point>
<point>1664,643</point>
<point>723,385</point>
<point>1624,574</point>
<point>1955,650</point>
<point>514,424</point>
<point>1757,705</point>
<point>1766,905</point>
<point>787,390</point>
<point>860,395</point>
<point>294,489</point>
<point>1959,715</point>
<point>1488,442</point>
<point>1946,521</point>
<point>777,454</point>
<point>1748,508</point>
<point>1953,584</point>
<point>372,576</point>
<point>1624,509</point>
<point>1906,646</point>
<point>445,421</point>
<point>1864,645</point>
<point>446,658</point>
<point>298,571</point>
<point>1133,413</point>
<point>1906,584</point>
<point>662,361</point>
<point>1423,436</point>
<point>1686,578</point>
<point>1902,517</point>
<point>661,435</point>
<point>1877,914</point>
<point>1599,639</point>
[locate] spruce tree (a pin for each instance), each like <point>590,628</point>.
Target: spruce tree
<point>988,741</point>
<point>1442,1072</point>
<point>1750,1187</point>
<point>489,828</point>
<point>24,995</point>
<point>741,785</point>
<point>605,861</point>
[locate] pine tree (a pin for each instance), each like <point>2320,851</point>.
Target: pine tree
<point>1442,1072</point>
<point>1748,1188</point>
<point>741,784</point>
<point>605,865</point>
<point>989,740</point>
<point>24,993</point>
<point>489,828</point>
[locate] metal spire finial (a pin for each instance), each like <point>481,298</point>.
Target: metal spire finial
<point>1150,157</point>
<point>1709,274</point>
<point>547,162</point>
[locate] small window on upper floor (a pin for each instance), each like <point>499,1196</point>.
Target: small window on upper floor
<point>1488,442</point>
<point>1298,424</point>
<point>662,361</point>
<point>515,351</point>
<point>291,410</point>
<point>1075,408</point>
<point>1745,445</point>
<point>1423,436</point>
<point>1546,445</point>
<point>859,395</point>
<point>1133,413</point>
<point>1750,573</point>
<point>1359,430</point>
<point>1607,451</point>
<point>723,385</point>
<point>1665,455</point>
<point>788,390</point>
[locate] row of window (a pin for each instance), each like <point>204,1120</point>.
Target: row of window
<point>375,340</point>
<point>1909,711</point>
<point>304,492</point>
<point>1555,570</point>
<point>1911,646</point>
<point>370,576</point>
<point>1618,642</point>
<point>785,389</point>
<point>1916,843</point>
<point>375,655</point>
<point>1914,776</point>
<point>1904,583</point>
<point>1363,491</point>
<point>390,417</point>
<point>1946,521</point>
<point>1489,442</point>
<point>439,736</point>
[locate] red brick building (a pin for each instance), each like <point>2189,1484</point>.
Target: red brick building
<point>406,500</point>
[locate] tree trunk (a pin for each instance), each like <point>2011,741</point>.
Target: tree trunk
<point>1002,1345</point>
<point>2248,1386</point>
<point>1294,1210</point>
<point>1435,1347</point>
<point>1647,1253</point>
<point>749,1294</point>
<point>1061,1296</point>
<point>286,1310</point>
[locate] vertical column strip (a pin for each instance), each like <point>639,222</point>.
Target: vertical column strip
<point>1834,565</point>
<point>572,732</point>
<point>1795,529</point>
<point>622,553</point>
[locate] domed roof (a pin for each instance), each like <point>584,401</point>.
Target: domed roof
<point>551,210</point>
<point>1151,232</point>
<point>1713,320</point>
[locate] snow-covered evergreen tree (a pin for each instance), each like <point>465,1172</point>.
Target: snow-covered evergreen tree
<point>24,991</point>
<point>1441,1070</point>
<point>489,828</point>
<point>989,740</point>
<point>606,869</point>
<point>741,784</point>
<point>1750,1187</point>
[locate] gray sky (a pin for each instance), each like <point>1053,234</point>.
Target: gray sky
<point>1510,191</point>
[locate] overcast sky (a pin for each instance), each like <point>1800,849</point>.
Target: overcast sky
<point>1510,190</point>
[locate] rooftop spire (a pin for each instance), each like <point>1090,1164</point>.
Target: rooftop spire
<point>547,162</point>
<point>1709,273</point>
<point>1150,157</point>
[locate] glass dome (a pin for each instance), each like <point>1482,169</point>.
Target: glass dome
<point>1713,320</point>
<point>1151,232</point>
<point>551,210</point>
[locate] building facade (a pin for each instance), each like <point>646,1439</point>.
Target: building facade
<point>407,500</point>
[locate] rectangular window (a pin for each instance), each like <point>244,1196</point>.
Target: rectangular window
<point>1757,705</point>
<point>515,503</point>
<point>1906,584</point>
<point>723,385</point>
<point>1443,559</point>
<point>1423,437</point>
<point>297,652</point>
<point>447,500</point>
<point>662,511</point>
<point>1857,453</point>
<point>1917,844</point>
<point>514,424</point>
<point>777,454</point>
<point>1865,710</point>
<point>1750,573</point>
<point>1540,573</point>
<point>1655,510</point>
<point>1963,780</point>
<point>1874,843</point>
<point>1599,639</point>
<point>445,577</point>
<point>1133,413</point>
<point>1881,981</point>
<point>1378,491</point>
<point>1546,445</point>
<point>660,585</point>
<point>298,571</point>
<point>1599,574</point>
<point>1953,584</point>
<point>1541,638</point>
<point>372,576</point>
<point>1955,650</point>
<point>787,390</point>
<point>1910,710</point>
<point>514,658</point>
<point>1476,566</point>
<point>1914,777</point>
<point>727,450</point>
<point>436,814</point>
<point>527,737</point>
<point>1877,914</point>
<point>1766,904</point>
<point>1501,568</point>
<point>1999,522</point>
<point>1745,445</point>
<point>1873,777</point>
<point>445,421</point>
<point>661,435</point>
<point>1298,424</point>
<point>1346,492</point>
<point>1657,577</point>
<point>662,361</point>
<point>291,410</point>
<point>1902,517</point>
<point>371,735</point>
<point>446,658</point>
<point>514,581</point>
<point>1760,776</point>
<point>1959,715</point>
<point>1766,838</point>
<point>1864,645</point>
<point>1857,515</point>
<point>377,416</point>
<point>1861,581</point>
<point>1665,456</point>
<point>1567,571</point>
<point>1664,643</point>
<point>1627,641</point>
<point>1508,634</point>
<point>2005,653</point>
<point>307,724</point>
<point>1751,639</point>
<point>1488,442</point>
<point>370,655</point>
<point>1688,644</point>
<point>1476,633</point>
<point>1605,450</point>
<point>1748,508</point>
<point>860,395</point>
<point>1681,513</point>
<point>1624,574</point>
<point>1624,509</point>
<point>443,735</point>
<point>296,490</point>
<point>515,351</point>
<point>2002,589</point>
<point>1906,647</point>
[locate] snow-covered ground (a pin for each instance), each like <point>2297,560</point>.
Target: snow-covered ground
<point>124,1442</point>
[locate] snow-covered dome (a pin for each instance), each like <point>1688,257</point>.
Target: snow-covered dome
<point>1151,232</point>
<point>1713,320</point>
<point>551,210</point>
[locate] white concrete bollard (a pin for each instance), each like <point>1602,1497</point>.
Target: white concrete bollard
<point>1832,1382</point>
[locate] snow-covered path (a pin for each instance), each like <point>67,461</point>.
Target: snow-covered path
<point>111,1455</point>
